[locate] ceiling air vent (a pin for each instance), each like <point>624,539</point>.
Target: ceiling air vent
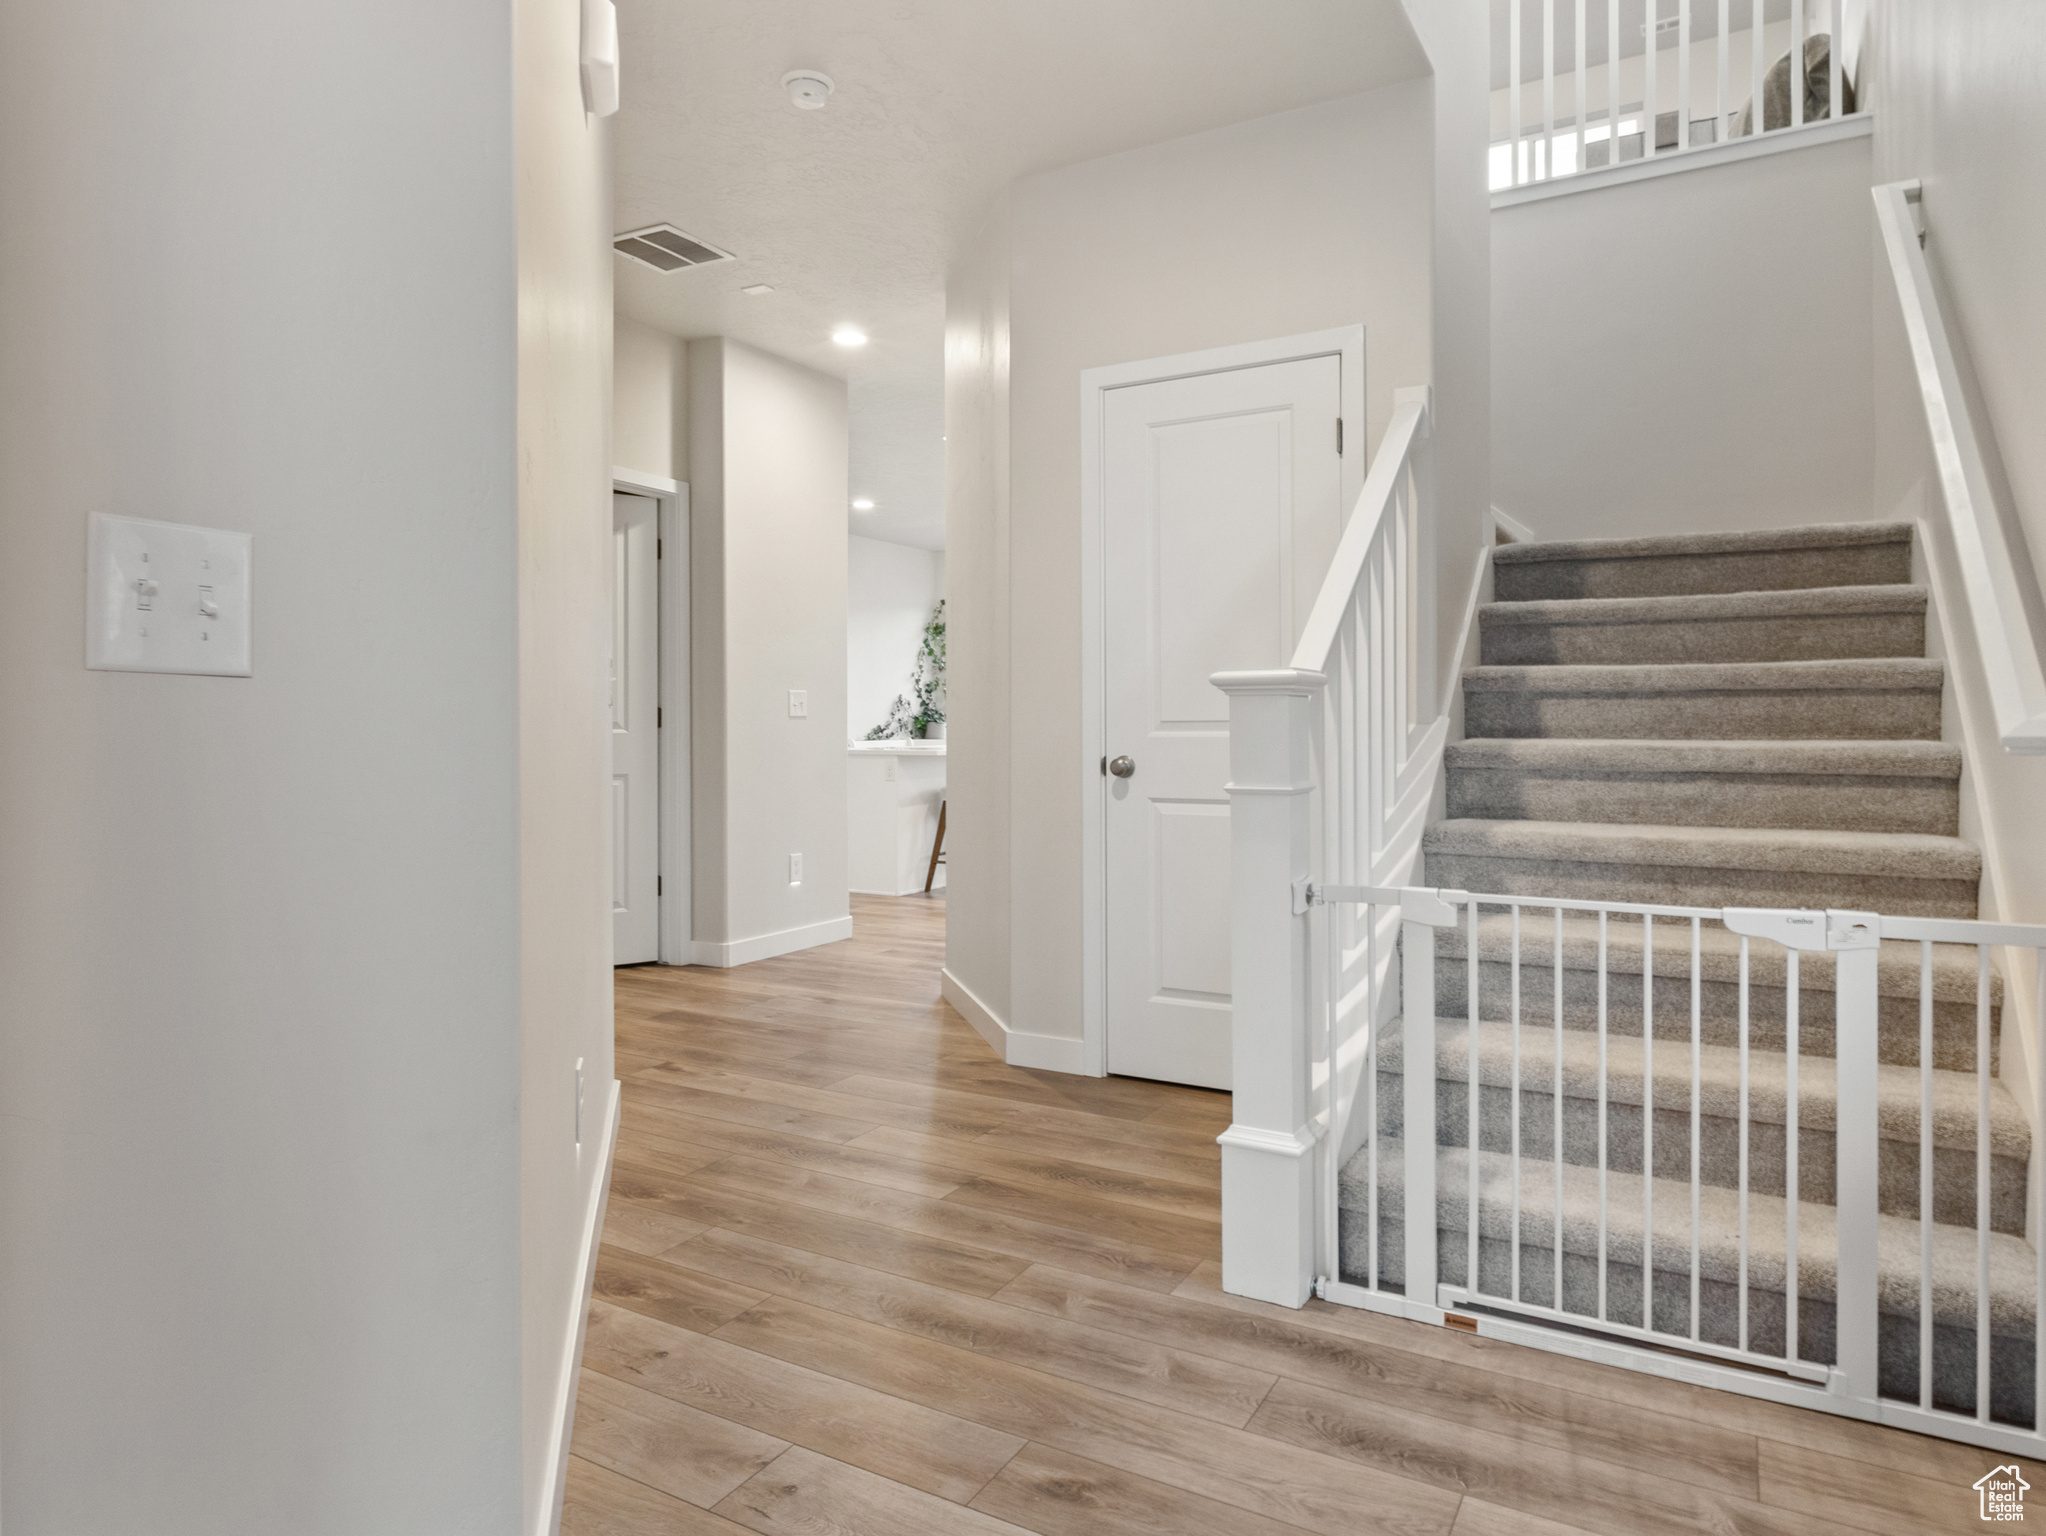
<point>666,249</point>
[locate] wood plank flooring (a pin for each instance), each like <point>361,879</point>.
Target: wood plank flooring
<point>859,1277</point>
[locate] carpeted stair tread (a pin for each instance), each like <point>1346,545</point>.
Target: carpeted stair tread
<point>1897,964</point>
<point>1674,545</point>
<point>1898,1088</point>
<point>1817,623</point>
<point>1901,674</point>
<point>1705,607</point>
<point>1883,786</point>
<point>1908,855</point>
<point>1825,555</point>
<point>1901,759</point>
<point>2012,1268</point>
<point>1892,698</point>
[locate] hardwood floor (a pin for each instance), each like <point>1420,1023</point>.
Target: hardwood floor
<point>859,1277</point>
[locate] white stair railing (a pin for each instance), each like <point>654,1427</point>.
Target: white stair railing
<point>1988,565</point>
<point>1332,763</point>
<point>1586,89</point>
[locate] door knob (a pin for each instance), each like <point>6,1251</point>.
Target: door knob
<point>1122,767</point>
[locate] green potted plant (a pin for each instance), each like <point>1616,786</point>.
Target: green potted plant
<point>921,711</point>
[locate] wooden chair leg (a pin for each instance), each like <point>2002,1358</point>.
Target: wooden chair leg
<point>937,849</point>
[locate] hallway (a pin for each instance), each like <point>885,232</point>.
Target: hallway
<point>847,1286</point>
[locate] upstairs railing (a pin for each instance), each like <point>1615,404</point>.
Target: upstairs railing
<point>1594,83</point>
<point>1332,763</point>
<point>1989,567</point>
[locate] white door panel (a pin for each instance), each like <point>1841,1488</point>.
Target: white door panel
<point>1222,505</point>
<point>635,735</point>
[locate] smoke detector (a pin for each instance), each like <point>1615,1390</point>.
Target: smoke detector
<point>666,249</point>
<point>808,88</point>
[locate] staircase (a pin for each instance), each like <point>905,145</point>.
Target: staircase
<point>1709,720</point>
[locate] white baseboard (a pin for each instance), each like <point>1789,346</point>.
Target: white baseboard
<point>767,945</point>
<point>561,1431</point>
<point>975,1012</point>
<point>1045,1053</point>
<point>1050,1053</point>
<point>1515,530</point>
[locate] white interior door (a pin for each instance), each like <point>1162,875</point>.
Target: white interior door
<point>1221,508</point>
<point>635,733</point>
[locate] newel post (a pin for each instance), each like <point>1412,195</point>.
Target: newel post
<point>1268,1174</point>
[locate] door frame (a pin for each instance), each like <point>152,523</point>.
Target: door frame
<point>1345,343</point>
<point>672,496</point>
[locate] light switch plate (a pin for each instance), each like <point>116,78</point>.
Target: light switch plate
<point>799,703</point>
<point>166,597</point>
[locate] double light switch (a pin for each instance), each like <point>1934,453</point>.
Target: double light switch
<point>165,597</point>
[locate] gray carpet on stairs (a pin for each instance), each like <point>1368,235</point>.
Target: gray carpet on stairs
<point>1706,721</point>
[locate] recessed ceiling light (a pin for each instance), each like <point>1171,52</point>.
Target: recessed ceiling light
<point>863,505</point>
<point>849,336</point>
<point>755,290</point>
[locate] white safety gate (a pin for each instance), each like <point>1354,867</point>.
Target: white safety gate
<point>1828,1303</point>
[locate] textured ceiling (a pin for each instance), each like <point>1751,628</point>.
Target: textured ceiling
<point>852,213</point>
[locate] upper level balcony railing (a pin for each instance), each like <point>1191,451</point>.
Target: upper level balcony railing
<point>1579,85</point>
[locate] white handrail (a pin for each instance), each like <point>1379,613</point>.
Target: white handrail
<point>2010,657</point>
<point>1374,502</point>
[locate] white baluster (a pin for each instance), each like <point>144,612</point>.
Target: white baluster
<point>1697,1107</point>
<point>1683,74</point>
<point>1925,1340</point>
<point>1514,1094</point>
<point>1982,1328</point>
<point>1647,1121</point>
<point>1743,1274</point>
<point>1758,61</point>
<point>1650,62</point>
<point>1417,1036</point>
<point>1790,1182</point>
<point>1720,73</point>
<point>1548,131</point>
<point>1601,1117</point>
<point>1854,938</point>
<point>1516,137</point>
<point>1797,74</point>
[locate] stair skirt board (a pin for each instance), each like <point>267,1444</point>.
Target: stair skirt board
<point>2012,1352</point>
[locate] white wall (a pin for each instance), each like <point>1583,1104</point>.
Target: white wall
<point>978,887</point>
<point>260,969</point>
<point>650,400</point>
<point>768,456</point>
<point>1687,353</point>
<point>890,590</point>
<point>1307,220</point>
<point>1453,35</point>
<point>564,713</point>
